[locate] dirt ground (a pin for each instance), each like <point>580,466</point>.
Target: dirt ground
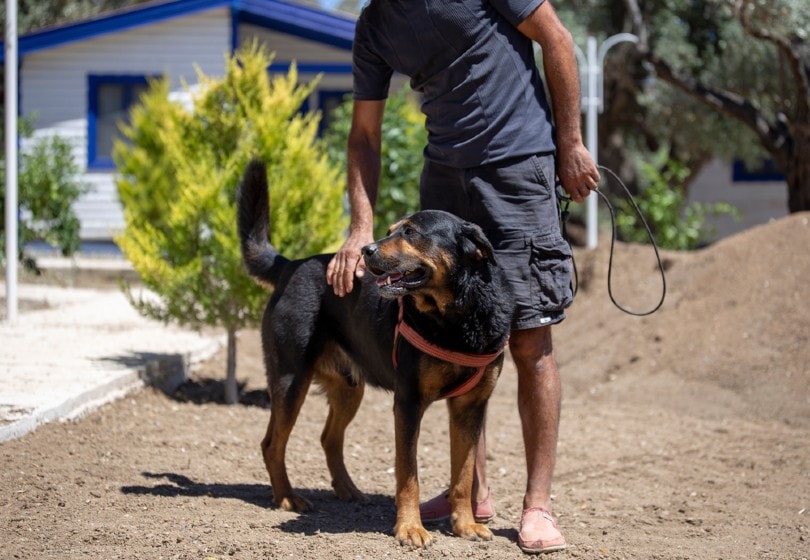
<point>685,435</point>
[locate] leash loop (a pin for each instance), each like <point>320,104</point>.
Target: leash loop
<point>566,200</point>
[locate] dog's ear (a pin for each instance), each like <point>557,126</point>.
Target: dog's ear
<point>475,244</point>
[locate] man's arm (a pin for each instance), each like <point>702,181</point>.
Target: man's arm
<point>363,177</point>
<point>575,166</point>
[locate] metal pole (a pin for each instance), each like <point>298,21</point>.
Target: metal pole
<point>593,103</point>
<point>12,204</point>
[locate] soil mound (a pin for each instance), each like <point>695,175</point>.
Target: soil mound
<point>733,333</point>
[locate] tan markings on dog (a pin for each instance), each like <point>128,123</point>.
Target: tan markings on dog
<point>282,419</point>
<point>334,366</point>
<point>436,376</point>
<point>332,371</point>
<point>408,528</point>
<point>254,253</point>
<point>462,464</point>
<point>396,225</point>
<point>441,296</point>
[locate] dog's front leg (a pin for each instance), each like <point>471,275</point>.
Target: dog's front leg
<point>407,416</point>
<point>466,422</point>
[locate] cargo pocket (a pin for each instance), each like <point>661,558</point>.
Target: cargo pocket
<point>513,254</point>
<point>552,269</point>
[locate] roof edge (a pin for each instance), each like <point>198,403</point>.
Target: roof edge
<point>298,19</point>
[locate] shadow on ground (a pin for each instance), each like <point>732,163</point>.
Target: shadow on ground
<point>329,516</point>
<point>212,391</point>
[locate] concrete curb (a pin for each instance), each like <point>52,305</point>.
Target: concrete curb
<point>74,349</point>
<point>166,373</point>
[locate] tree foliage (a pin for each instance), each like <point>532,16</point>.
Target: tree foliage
<point>729,78</point>
<point>674,222</point>
<point>403,141</point>
<point>35,14</point>
<point>178,174</point>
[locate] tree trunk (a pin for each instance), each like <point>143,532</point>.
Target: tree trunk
<point>231,388</point>
<point>798,182</point>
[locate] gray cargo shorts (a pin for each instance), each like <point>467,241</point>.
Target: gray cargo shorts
<point>515,203</point>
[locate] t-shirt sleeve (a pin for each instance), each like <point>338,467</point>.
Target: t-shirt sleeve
<point>371,74</point>
<point>515,11</point>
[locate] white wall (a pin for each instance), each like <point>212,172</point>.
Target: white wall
<point>54,84</point>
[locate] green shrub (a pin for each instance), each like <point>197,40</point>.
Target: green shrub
<point>403,141</point>
<point>179,172</point>
<point>675,223</point>
<point>48,188</point>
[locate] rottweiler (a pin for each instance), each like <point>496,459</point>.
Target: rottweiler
<point>429,322</point>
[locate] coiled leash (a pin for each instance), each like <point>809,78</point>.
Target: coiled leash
<point>566,201</point>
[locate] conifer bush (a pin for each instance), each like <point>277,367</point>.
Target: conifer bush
<point>179,169</point>
<point>404,138</point>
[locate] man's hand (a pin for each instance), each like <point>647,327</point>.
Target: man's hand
<point>577,172</point>
<point>347,264</point>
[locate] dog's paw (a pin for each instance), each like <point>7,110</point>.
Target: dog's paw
<point>346,491</point>
<point>294,502</point>
<point>412,535</point>
<point>472,532</point>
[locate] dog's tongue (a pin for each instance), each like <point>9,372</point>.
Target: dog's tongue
<point>389,279</point>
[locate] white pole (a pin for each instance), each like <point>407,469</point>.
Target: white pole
<point>594,73</point>
<point>594,104</point>
<point>12,205</point>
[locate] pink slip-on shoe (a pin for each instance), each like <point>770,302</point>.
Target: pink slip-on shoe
<point>538,532</point>
<point>438,509</point>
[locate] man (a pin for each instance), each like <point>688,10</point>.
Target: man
<point>491,158</point>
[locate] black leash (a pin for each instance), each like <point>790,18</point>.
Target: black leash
<point>566,201</point>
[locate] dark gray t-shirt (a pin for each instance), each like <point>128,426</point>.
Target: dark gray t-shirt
<point>479,86</point>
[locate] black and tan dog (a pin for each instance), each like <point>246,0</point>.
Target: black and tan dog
<point>431,321</point>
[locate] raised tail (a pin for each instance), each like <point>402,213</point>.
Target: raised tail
<point>262,260</point>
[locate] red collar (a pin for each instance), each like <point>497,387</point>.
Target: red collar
<point>479,361</point>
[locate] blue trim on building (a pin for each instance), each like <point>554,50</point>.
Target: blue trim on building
<point>765,172</point>
<point>234,30</point>
<point>311,68</point>
<point>295,19</point>
<point>302,21</point>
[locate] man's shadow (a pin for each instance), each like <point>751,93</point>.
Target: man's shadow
<point>329,516</point>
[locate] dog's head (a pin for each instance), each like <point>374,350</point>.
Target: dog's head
<point>423,252</point>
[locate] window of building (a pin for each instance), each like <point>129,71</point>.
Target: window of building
<point>110,98</point>
<point>328,101</point>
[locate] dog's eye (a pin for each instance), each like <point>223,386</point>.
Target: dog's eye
<point>408,231</point>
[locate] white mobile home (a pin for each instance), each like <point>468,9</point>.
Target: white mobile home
<point>80,79</point>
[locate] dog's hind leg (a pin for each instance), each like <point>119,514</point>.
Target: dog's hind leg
<point>344,397</point>
<point>285,405</point>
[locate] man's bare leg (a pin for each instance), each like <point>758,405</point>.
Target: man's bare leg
<point>539,396</point>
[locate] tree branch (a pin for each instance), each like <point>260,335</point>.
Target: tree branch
<point>773,135</point>
<point>793,51</point>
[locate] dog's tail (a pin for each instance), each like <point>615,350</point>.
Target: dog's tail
<point>262,260</point>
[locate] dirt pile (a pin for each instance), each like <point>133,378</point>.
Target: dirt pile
<point>684,436</point>
<point>733,334</point>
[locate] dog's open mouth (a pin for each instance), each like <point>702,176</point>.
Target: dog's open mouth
<point>399,281</point>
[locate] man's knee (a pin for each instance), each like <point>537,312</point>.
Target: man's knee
<point>531,346</point>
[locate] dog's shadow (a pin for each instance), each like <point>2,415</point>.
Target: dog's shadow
<point>330,515</point>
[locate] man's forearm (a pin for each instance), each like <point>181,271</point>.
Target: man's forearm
<point>562,75</point>
<point>363,175</point>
